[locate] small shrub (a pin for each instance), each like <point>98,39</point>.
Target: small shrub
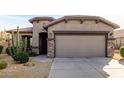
<point>15,57</point>
<point>11,50</point>
<point>1,48</point>
<point>3,64</point>
<point>22,57</point>
<point>122,51</point>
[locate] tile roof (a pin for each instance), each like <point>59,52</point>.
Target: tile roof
<point>83,17</point>
<point>27,29</point>
<point>41,19</point>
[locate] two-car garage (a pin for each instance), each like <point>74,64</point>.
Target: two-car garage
<point>80,36</point>
<point>80,44</point>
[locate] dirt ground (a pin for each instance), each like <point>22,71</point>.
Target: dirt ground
<point>39,70</point>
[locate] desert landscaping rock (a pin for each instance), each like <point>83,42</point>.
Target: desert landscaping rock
<point>29,64</point>
<point>40,70</point>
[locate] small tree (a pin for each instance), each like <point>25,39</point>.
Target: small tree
<point>122,51</point>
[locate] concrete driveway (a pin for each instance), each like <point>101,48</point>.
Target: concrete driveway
<point>86,68</point>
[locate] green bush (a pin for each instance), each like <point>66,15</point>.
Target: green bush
<point>3,64</point>
<point>1,48</point>
<point>15,57</point>
<point>11,50</point>
<point>122,51</point>
<point>22,57</point>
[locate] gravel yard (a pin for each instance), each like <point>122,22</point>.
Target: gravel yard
<point>39,70</point>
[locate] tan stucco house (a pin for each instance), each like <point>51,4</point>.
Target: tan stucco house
<point>72,36</point>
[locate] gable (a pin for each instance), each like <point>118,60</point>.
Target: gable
<point>82,19</point>
<point>88,25</point>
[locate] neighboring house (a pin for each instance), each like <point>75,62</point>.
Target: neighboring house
<point>25,35</point>
<point>3,39</point>
<point>73,36</point>
<point>3,35</point>
<point>119,37</point>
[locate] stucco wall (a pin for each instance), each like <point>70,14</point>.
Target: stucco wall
<point>119,35</point>
<point>37,28</point>
<point>119,42</point>
<point>75,25</point>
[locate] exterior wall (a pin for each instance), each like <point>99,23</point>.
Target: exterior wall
<point>119,35</point>
<point>119,42</point>
<point>76,25</point>
<point>37,28</point>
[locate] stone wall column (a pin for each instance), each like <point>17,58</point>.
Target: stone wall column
<point>110,48</point>
<point>50,52</point>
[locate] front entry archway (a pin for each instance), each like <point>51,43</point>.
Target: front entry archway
<point>43,43</point>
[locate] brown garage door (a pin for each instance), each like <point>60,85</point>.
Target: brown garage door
<point>80,45</point>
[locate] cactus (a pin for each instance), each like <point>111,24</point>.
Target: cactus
<point>17,39</point>
<point>12,38</point>
<point>13,46</point>
<point>8,38</point>
<point>14,49</point>
<point>17,43</point>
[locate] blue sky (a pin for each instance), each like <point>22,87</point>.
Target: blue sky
<point>12,21</point>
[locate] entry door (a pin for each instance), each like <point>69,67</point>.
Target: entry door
<point>43,43</point>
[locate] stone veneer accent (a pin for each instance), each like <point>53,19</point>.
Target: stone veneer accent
<point>111,45</point>
<point>51,44</point>
<point>38,27</point>
<point>110,48</point>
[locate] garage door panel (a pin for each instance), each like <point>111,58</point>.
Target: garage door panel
<point>80,45</point>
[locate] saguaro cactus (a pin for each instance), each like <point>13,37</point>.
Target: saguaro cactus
<point>15,48</point>
<point>9,43</point>
<point>18,39</point>
<point>12,38</point>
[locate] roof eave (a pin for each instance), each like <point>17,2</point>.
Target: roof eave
<point>113,25</point>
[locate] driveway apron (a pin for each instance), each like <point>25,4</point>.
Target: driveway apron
<point>74,68</point>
